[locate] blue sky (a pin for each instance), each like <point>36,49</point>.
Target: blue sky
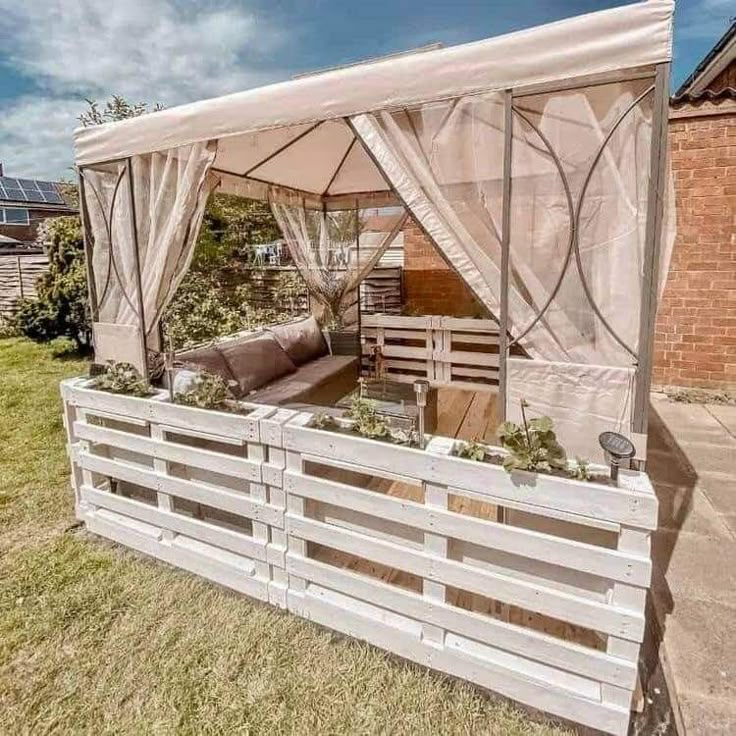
<point>56,53</point>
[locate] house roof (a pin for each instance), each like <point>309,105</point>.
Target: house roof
<point>707,95</point>
<point>34,193</point>
<point>714,62</point>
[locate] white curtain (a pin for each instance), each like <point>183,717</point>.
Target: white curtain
<point>171,190</point>
<point>580,167</point>
<point>445,160</point>
<point>335,250</point>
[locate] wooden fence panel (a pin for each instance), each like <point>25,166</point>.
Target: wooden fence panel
<point>18,276</point>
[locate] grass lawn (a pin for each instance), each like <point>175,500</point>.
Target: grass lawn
<point>96,639</point>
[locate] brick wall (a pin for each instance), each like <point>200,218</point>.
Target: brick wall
<point>695,338</point>
<point>430,285</point>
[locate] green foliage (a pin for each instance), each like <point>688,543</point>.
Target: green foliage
<point>472,450</point>
<point>532,446</point>
<point>323,421</point>
<point>367,421</point>
<point>116,108</point>
<point>218,297</point>
<point>8,328</point>
<point>121,378</point>
<point>63,347</point>
<point>208,391</point>
<point>60,307</point>
<point>580,470</point>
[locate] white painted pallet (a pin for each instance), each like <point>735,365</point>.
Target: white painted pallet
<point>243,500</point>
<point>446,351</point>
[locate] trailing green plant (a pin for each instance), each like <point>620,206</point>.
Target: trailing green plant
<point>472,450</point>
<point>207,391</point>
<point>532,445</point>
<point>121,378</point>
<point>367,421</point>
<point>580,469</point>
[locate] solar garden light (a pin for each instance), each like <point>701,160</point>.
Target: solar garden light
<point>618,448</point>
<point>169,368</point>
<point>421,389</point>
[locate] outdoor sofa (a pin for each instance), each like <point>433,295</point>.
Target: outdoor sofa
<point>282,365</point>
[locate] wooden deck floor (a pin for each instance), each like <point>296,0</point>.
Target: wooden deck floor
<point>466,415</point>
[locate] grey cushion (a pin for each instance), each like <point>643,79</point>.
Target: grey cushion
<point>302,340</point>
<point>255,361</point>
<point>208,359</point>
<point>323,381</point>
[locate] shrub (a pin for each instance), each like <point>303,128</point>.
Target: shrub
<point>121,378</point>
<point>60,308</point>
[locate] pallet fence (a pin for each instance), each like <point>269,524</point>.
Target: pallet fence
<point>461,352</point>
<point>543,603</point>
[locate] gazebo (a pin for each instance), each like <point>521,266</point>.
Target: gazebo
<point>536,163</point>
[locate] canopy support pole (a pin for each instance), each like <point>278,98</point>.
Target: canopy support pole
<point>137,263</point>
<point>87,243</point>
<point>505,246</point>
<point>653,234</point>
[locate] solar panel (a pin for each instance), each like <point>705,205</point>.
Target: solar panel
<point>29,190</point>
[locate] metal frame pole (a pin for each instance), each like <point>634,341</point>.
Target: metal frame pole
<point>136,261</point>
<point>505,246</point>
<point>360,283</point>
<point>86,240</point>
<point>653,232</point>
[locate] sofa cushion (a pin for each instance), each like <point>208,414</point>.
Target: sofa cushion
<point>302,340</point>
<point>323,381</point>
<point>255,361</point>
<point>208,359</point>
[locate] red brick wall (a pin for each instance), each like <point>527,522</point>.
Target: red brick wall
<point>695,339</point>
<point>430,285</point>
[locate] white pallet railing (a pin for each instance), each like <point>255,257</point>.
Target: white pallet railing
<point>198,489</point>
<point>446,351</point>
<point>542,600</point>
<point>596,586</point>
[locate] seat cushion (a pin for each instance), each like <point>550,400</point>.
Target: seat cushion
<point>302,340</point>
<point>255,361</point>
<point>321,382</point>
<point>208,359</point>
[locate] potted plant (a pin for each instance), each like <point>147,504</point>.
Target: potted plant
<point>121,378</point>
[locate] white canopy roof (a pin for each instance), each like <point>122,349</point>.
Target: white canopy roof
<point>627,37</point>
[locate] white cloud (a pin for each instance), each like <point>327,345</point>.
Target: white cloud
<point>168,51</point>
<point>37,137</point>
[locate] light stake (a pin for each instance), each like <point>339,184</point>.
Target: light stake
<point>169,368</point>
<point>421,389</point>
<point>618,448</point>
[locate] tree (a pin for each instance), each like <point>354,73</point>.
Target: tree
<point>116,108</point>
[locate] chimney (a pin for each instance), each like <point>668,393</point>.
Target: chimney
<point>1,169</point>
